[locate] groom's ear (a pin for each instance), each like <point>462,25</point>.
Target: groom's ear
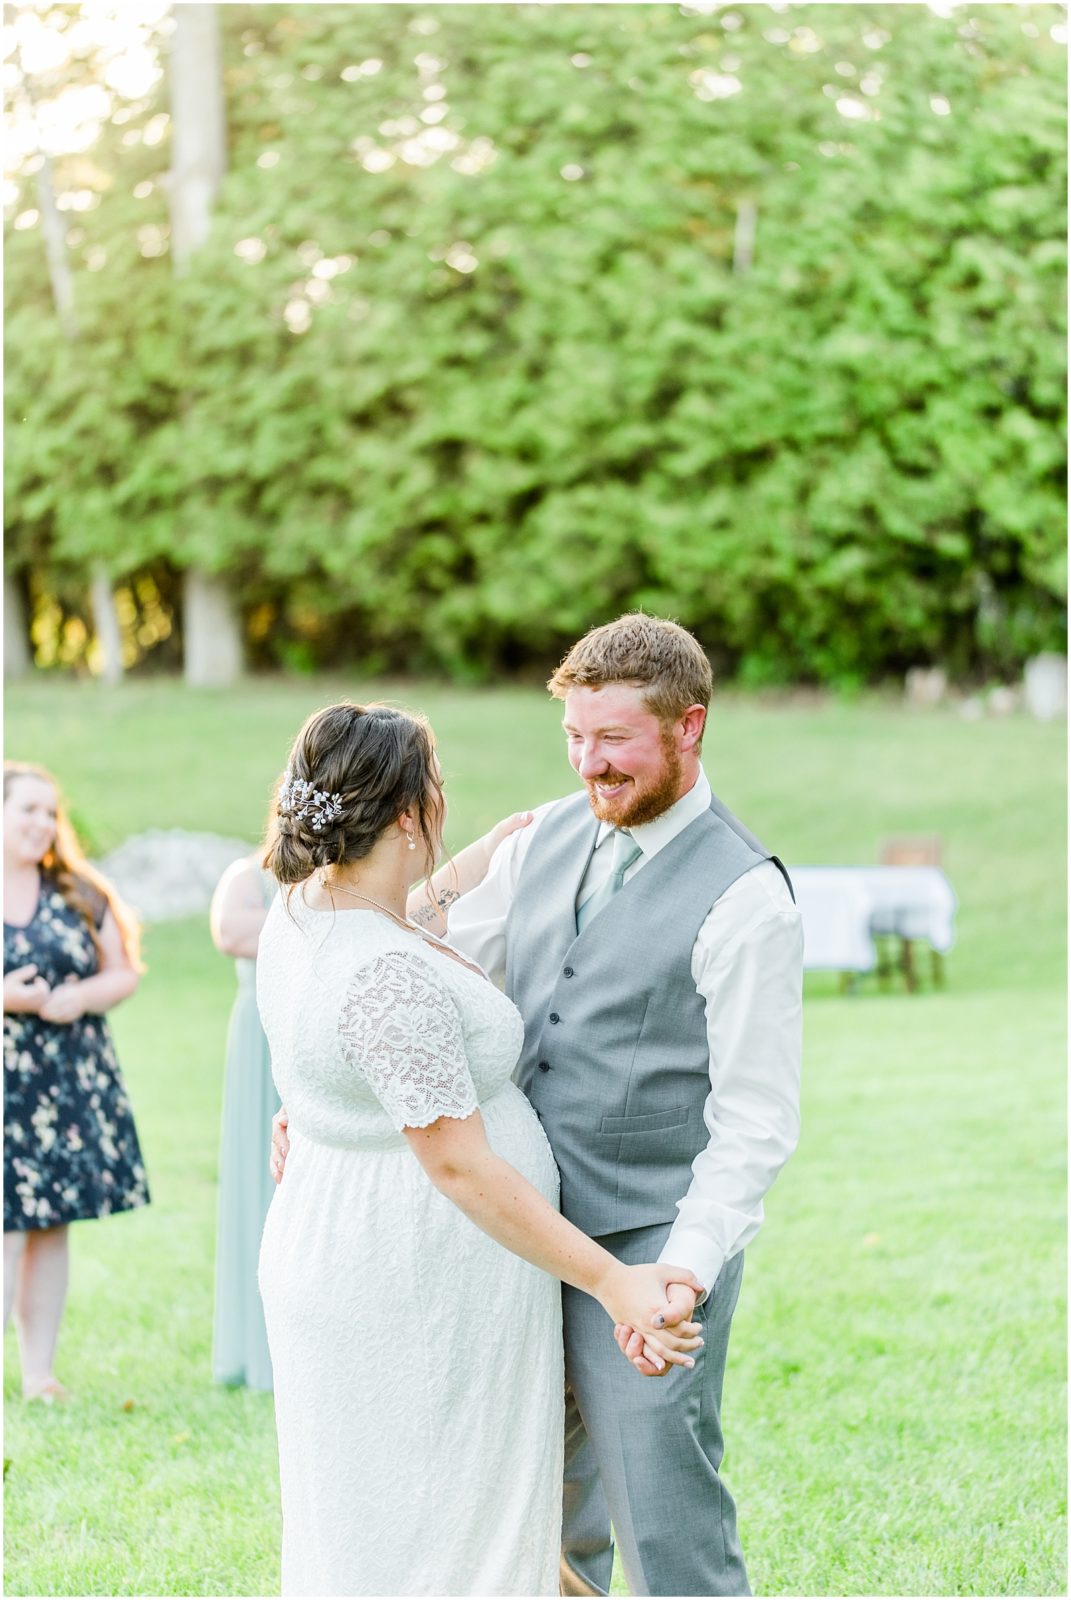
<point>692,724</point>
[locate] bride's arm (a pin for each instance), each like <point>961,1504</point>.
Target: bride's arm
<point>429,903</point>
<point>459,1161</point>
<point>400,1028</point>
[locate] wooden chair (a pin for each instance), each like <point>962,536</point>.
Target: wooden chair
<point>908,850</point>
<point>911,850</point>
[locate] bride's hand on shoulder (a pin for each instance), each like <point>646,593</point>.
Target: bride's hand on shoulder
<point>636,1297</point>
<point>429,903</point>
<point>503,829</point>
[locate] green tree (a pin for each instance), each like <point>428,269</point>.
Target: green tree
<point>465,365</point>
<point>212,645</point>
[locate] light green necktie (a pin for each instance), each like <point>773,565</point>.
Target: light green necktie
<point>626,851</point>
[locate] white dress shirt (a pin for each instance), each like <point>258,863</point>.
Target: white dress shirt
<point>747,965</point>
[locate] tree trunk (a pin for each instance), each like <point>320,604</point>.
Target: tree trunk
<point>747,216</point>
<point>101,597</point>
<point>18,658</point>
<point>53,233</point>
<point>106,623</point>
<point>198,128</point>
<point>211,634</point>
<point>212,639</point>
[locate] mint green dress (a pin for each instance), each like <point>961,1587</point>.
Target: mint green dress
<point>239,1342</point>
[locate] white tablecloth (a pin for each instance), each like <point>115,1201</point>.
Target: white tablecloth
<point>844,907</point>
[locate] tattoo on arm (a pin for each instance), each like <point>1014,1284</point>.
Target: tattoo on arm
<point>429,914</point>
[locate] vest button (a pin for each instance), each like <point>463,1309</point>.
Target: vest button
<point>544,1066</point>
<point>567,972</point>
<point>554,1017</point>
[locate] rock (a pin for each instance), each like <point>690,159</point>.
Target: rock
<point>1045,686</point>
<point>925,686</point>
<point>168,873</point>
<point>972,709</point>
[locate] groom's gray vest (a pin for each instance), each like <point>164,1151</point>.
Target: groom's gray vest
<point>615,1057</point>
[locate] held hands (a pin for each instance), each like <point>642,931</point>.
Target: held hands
<point>642,1352</point>
<point>24,989</point>
<point>661,1297</point>
<point>280,1144</point>
<point>649,1304</point>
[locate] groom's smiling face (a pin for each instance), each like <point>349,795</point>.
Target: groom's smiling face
<point>632,762</point>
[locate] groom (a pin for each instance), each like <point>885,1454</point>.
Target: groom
<point>653,948</point>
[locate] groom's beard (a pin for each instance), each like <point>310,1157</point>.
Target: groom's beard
<point>636,804</point>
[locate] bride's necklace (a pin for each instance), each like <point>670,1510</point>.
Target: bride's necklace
<point>403,922</point>
<point>355,894</point>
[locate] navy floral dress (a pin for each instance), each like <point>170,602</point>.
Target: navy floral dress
<point>70,1146</point>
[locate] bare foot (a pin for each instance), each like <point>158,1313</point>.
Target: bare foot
<point>48,1390</point>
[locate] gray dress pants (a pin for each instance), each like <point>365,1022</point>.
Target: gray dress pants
<point>644,1453</point>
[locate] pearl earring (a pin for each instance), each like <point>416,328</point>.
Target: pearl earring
<point>412,841</point>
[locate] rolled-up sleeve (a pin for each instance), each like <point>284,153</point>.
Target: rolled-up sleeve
<point>747,963</point>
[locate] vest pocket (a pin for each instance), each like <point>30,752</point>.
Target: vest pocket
<point>675,1117</point>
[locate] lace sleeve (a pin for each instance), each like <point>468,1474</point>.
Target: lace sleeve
<point>401,1030</point>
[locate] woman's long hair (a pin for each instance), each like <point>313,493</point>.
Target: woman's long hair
<point>66,865</point>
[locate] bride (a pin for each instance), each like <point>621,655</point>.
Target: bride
<point>410,1262</point>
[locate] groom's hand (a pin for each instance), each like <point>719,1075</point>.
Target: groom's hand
<point>680,1303</point>
<point>280,1144</point>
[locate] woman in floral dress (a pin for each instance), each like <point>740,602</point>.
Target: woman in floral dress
<point>70,1145</point>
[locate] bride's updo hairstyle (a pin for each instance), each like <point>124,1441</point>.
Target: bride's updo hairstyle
<point>368,764</point>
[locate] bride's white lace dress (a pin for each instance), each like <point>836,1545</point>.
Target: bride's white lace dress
<point>417,1363</point>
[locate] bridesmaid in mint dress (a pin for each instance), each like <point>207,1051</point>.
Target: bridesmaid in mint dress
<point>239,1342</point>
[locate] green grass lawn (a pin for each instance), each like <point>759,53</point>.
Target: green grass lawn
<point>894,1400</point>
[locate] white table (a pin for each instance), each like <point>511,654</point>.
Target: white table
<point>844,907</point>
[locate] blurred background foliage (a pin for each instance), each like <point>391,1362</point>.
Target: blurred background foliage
<point>516,316</point>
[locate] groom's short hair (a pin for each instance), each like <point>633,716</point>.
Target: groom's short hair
<point>649,653</point>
